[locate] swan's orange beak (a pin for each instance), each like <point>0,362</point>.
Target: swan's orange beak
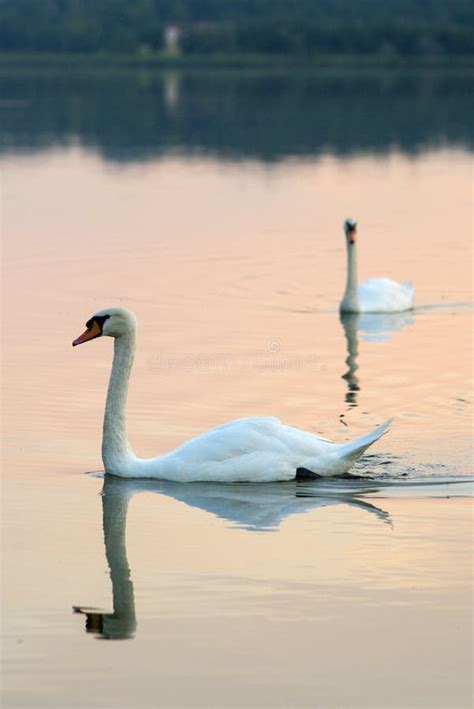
<point>94,331</point>
<point>351,235</point>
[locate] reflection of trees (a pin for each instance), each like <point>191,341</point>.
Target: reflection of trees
<point>128,116</point>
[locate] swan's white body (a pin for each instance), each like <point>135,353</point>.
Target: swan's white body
<point>259,449</point>
<point>376,295</point>
<point>250,449</point>
<point>383,295</point>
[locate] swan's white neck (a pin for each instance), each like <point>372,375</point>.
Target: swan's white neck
<point>116,452</point>
<point>117,456</point>
<point>350,301</point>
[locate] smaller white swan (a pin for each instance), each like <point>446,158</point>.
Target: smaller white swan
<point>245,450</point>
<point>376,295</point>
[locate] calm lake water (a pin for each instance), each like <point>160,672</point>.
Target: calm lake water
<point>212,205</point>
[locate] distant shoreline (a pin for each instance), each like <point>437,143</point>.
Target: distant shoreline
<point>33,60</point>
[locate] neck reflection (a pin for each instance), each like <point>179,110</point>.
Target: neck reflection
<point>373,327</point>
<point>350,322</point>
<point>121,624</point>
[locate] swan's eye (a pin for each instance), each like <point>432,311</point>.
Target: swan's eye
<point>100,320</point>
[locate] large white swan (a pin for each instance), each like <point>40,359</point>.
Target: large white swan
<point>376,295</point>
<point>250,449</point>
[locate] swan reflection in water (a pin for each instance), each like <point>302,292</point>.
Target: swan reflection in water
<point>257,507</point>
<point>374,327</point>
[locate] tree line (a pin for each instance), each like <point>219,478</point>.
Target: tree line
<point>403,28</point>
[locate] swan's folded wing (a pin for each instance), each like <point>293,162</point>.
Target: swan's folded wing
<point>233,439</point>
<point>265,423</point>
<point>384,295</point>
<point>255,449</point>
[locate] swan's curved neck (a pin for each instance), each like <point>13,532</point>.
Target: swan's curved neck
<point>350,302</point>
<point>116,451</point>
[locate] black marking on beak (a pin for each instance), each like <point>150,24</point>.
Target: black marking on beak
<point>99,319</point>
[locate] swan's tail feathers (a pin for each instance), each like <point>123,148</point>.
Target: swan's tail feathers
<point>353,450</point>
<point>409,289</point>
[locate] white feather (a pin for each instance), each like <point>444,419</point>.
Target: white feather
<point>256,450</point>
<point>383,295</point>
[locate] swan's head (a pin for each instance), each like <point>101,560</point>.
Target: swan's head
<point>114,322</point>
<point>350,229</point>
